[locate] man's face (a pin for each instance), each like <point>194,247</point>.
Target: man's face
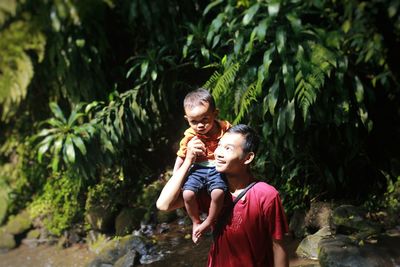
<point>201,118</point>
<point>229,155</point>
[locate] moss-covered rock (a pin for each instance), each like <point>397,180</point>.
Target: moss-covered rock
<point>308,247</point>
<point>100,218</point>
<point>128,220</point>
<point>7,240</point>
<point>166,216</point>
<point>19,224</point>
<point>348,219</point>
<point>33,234</point>
<point>3,201</point>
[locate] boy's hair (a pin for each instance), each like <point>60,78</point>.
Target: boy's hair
<point>251,139</point>
<point>198,97</point>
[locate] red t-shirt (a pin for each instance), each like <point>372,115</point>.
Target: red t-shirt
<point>246,239</point>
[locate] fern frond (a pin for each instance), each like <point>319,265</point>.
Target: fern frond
<point>311,76</point>
<point>224,81</point>
<point>7,9</point>
<point>16,67</point>
<point>244,100</point>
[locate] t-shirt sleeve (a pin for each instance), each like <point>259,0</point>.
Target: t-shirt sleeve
<point>183,145</point>
<point>276,217</point>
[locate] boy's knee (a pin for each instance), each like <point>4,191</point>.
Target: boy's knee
<point>217,193</point>
<point>188,195</point>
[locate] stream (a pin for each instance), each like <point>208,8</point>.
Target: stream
<point>177,250</point>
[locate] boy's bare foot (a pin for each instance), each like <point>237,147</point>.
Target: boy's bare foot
<point>199,230</point>
<point>195,237</point>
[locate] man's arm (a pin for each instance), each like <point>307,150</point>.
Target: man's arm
<point>171,197</point>
<point>280,255</point>
<point>178,163</point>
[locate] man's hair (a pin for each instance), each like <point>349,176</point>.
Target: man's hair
<point>251,139</point>
<point>198,97</point>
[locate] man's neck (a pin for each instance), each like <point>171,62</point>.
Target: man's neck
<point>239,181</point>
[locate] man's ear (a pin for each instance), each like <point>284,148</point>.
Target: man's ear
<point>249,158</point>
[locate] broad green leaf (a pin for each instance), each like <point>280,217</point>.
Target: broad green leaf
<point>42,149</point>
<point>291,114</point>
<point>346,26</point>
<point>74,117</point>
<point>45,132</point>
<point>272,96</point>
<point>211,6</point>
<point>249,14</point>
<point>281,122</point>
<point>79,144</point>
<point>261,29</point>
<point>287,72</point>
<point>92,105</point>
<point>359,91</point>
<point>238,44</point>
<point>205,52</point>
<point>57,112</point>
<point>273,8</point>
<point>143,68</point>
<point>267,60</point>
<point>54,163</point>
<point>69,150</point>
<point>280,39</point>
<point>154,75</point>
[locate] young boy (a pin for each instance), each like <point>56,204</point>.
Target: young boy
<point>201,114</point>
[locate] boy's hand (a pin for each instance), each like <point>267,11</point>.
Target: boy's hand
<point>195,148</point>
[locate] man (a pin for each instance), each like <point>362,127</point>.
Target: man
<point>253,230</point>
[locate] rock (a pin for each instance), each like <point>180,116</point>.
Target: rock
<point>3,202</point>
<point>128,220</point>
<point>111,252</point>
<point>348,219</point>
<point>100,218</point>
<point>297,224</point>
<point>19,224</point>
<point>7,240</point>
<point>166,216</point>
<point>318,216</point>
<point>33,234</point>
<point>130,259</point>
<point>342,251</point>
<point>308,247</point>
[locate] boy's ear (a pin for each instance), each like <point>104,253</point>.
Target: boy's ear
<point>249,158</point>
<point>186,118</point>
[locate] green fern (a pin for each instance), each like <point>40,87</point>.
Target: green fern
<point>7,9</point>
<point>220,83</point>
<point>310,77</point>
<point>16,67</point>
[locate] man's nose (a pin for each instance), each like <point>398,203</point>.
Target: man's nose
<point>217,154</point>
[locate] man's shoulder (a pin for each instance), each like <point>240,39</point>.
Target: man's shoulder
<point>265,191</point>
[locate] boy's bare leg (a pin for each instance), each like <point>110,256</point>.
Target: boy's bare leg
<point>217,201</point>
<point>192,209</point>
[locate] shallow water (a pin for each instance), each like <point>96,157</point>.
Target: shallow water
<point>178,251</point>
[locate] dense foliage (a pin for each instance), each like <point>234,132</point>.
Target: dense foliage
<point>89,92</point>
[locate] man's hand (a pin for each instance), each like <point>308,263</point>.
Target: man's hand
<point>195,148</point>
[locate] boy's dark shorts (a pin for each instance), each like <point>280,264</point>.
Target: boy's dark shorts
<point>204,177</point>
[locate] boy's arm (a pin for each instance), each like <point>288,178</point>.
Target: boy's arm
<point>178,163</point>
<point>171,197</point>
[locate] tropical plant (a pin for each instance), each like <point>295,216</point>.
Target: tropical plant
<point>308,87</point>
<point>65,138</point>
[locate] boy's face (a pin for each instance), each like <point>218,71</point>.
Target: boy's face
<point>201,118</point>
